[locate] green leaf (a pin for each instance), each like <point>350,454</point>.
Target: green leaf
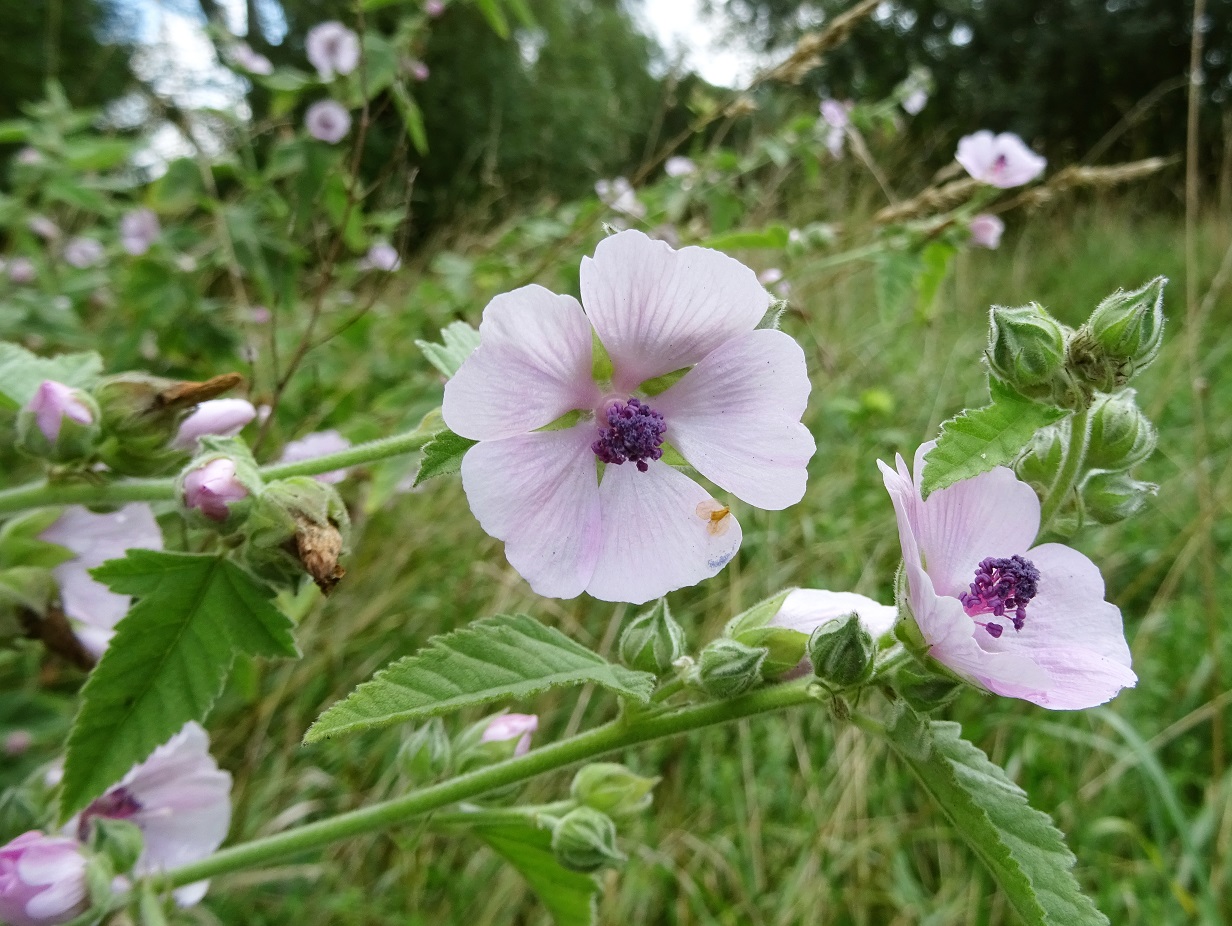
<point>20,544</point>
<point>459,338</point>
<point>14,130</point>
<point>773,236</point>
<point>167,662</point>
<point>495,16</point>
<point>442,456</point>
<point>568,895</point>
<point>507,656</point>
<point>894,277</point>
<point>21,372</point>
<point>1025,853</point>
<point>984,438</point>
<point>935,262</point>
<point>412,117</point>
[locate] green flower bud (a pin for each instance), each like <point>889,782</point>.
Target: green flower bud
<point>217,488</point>
<point>299,525</point>
<point>427,752</point>
<point>1121,436</point>
<point>1039,465</point>
<point>118,840</point>
<point>612,789</point>
<point>842,651</point>
<point>1026,350</point>
<point>1111,497</point>
<point>653,641</point>
<point>1129,327</point>
<point>727,668</point>
<point>59,424</point>
<point>925,691</point>
<point>585,840</point>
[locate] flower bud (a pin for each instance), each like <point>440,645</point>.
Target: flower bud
<point>842,651</point>
<point>925,691</point>
<point>1121,436</point>
<point>511,728</point>
<point>612,789</point>
<point>42,880</point>
<point>1129,327</point>
<point>585,840</point>
<point>120,841</point>
<point>1038,467</point>
<point>727,668</point>
<point>653,641</point>
<point>213,488</point>
<point>427,752</point>
<point>223,417</point>
<point>59,423</point>
<point>1112,497</point>
<point>1026,350</point>
<point>299,525</point>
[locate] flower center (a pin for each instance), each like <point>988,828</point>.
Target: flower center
<point>634,433</point>
<point>119,804</point>
<point>1002,587</point>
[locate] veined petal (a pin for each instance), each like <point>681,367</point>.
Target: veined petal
<point>959,644</point>
<point>736,418</point>
<point>806,609</point>
<point>657,310</point>
<point>658,534</point>
<point>539,493</point>
<point>992,514</point>
<point>533,364</point>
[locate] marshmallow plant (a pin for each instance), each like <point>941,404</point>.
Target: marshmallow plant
<point>612,443</point>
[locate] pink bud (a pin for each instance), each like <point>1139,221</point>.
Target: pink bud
<point>42,880</point>
<point>382,256</point>
<point>139,229</point>
<point>223,417</point>
<point>419,71</point>
<point>434,8</point>
<point>22,271</point>
<point>52,403</point>
<point>511,726</point>
<point>986,231</point>
<point>210,488</point>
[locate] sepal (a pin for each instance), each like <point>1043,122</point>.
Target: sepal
<point>653,641</point>
<point>585,840</point>
<point>610,788</point>
<point>842,651</point>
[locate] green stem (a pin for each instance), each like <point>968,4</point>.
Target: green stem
<point>490,816</point>
<point>611,737</point>
<point>1069,471</point>
<point>47,495</point>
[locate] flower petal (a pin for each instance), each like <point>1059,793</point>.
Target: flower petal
<point>533,364</point>
<point>658,534</point>
<point>992,514</point>
<point>736,418</point>
<point>539,493</point>
<point>806,609</point>
<point>657,310</point>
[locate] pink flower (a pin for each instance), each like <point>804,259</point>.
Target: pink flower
<point>21,271</point>
<point>52,403</point>
<point>632,532</point>
<point>381,256</point>
<point>42,880</point>
<point>223,417</point>
<point>213,487</point>
<point>82,252</point>
<point>986,230</point>
<point>999,160</point>
<point>332,49</point>
<point>96,538</point>
<point>327,121</point>
<point>251,61</point>
<point>837,113</point>
<point>419,70</point>
<point>1022,621</point>
<point>178,798</point>
<point>505,727</point>
<point>139,229</point>
<point>316,445</point>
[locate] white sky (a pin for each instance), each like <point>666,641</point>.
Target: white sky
<point>694,41</point>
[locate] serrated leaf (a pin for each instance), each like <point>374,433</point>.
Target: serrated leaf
<point>459,340</point>
<point>167,662</point>
<point>21,372</point>
<point>442,456</point>
<point>497,658</point>
<point>1023,851</point>
<point>568,895</point>
<point>984,438</point>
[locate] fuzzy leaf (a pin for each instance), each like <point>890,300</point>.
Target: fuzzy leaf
<point>168,661</point>
<point>459,338</point>
<point>507,656</point>
<point>442,456</point>
<point>984,438</point>
<point>1023,851</point>
<point>21,372</point>
<point>568,895</point>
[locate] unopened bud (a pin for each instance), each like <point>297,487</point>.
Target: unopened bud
<point>1121,436</point>
<point>925,691</point>
<point>222,417</point>
<point>59,423</point>
<point>1038,467</point>
<point>1109,498</point>
<point>842,651</point>
<point>119,840</point>
<point>727,668</point>
<point>427,752</point>
<point>612,789</point>
<point>1129,327</point>
<point>299,525</point>
<point>213,488</point>
<point>653,641</point>
<point>1026,350</point>
<point>585,840</point>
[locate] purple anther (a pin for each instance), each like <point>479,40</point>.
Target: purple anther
<point>634,433</point>
<point>1002,587</point>
<point>119,804</point>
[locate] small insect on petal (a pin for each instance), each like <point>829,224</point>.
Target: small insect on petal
<point>716,516</point>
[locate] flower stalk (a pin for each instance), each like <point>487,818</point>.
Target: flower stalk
<point>1070,470</point>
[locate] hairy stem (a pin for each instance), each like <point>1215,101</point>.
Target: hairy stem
<point>1070,469</point>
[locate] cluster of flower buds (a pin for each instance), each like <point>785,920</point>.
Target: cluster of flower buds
<point>653,641</point>
<point>584,838</point>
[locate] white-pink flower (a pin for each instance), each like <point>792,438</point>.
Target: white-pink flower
<point>806,609</point>
<point>638,528</point>
<point>44,227</point>
<point>505,727</point>
<point>221,417</point>
<point>21,270</point>
<point>1022,621</point>
<point>83,252</point>
<point>679,166</point>
<point>620,196</point>
<point>51,403</point>
<point>213,487</point>
<point>837,116</point>
<point>178,798</point>
<point>311,446</point>
<point>914,102</point>
<point>999,160</point>
<point>986,230</point>
<point>139,229</point>
<point>96,538</point>
<point>42,880</point>
<point>381,256</point>
<point>327,121</point>
<point>251,61</point>
<point>332,49</point>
